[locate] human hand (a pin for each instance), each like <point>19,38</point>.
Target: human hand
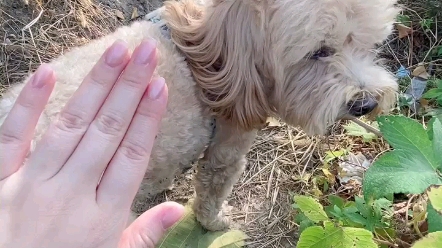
<point>76,188</point>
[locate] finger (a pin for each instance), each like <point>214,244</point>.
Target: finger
<point>105,133</point>
<point>126,170</point>
<point>18,128</point>
<point>66,131</point>
<point>148,229</point>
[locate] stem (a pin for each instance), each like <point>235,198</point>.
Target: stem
<point>367,127</point>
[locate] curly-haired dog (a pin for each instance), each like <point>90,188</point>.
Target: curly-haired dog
<point>309,63</point>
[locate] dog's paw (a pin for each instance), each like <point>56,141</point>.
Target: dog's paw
<point>219,222</point>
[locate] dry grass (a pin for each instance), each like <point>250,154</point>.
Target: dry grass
<point>34,34</point>
<point>283,159</point>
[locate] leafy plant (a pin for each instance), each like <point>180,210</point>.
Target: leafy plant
<point>427,23</point>
<point>413,165</point>
<point>404,19</point>
<point>435,93</point>
<point>434,210</point>
<point>336,237</point>
<point>341,224</point>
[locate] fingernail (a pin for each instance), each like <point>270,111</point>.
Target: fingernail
<point>171,217</point>
<point>144,52</point>
<point>41,76</point>
<point>156,88</point>
<point>116,53</point>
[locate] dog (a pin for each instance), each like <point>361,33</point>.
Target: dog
<point>231,64</point>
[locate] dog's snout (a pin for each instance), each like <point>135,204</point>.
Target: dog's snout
<point>362,106</point>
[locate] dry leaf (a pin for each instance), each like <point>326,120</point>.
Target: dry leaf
<point>420,71</point>
<point>404,31</point>
<point>135,13</point>
<point>353,168</point>
<point>424,102</point>
<point>119,14</point>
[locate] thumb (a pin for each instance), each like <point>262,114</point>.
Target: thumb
<point>148,229</point>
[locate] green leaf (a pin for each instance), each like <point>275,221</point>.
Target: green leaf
<point>300,217</point>
<point>311,208</point>
<point>362,207</point>
<point>434,208</point>
<point>382,206</point>
<point>408,135</point>
<point>303,221</point>
<point>336,212</point>
<point>367,212</point>
<point>435,197</point>
<point>332,155</point>
<point>336,200</point>
<point>439,81</point>
<point>398,172</point>
<point>354,129</point>
<point>432,240</point>
<point>410,168</point>
<point>434,219</point>
<point>183,233</point>
<point>430,130</point>
<point>437,138</point>
<point>350,209</point>
<point>383,203</point>
<point>231,239</point>
<point>305,224</point>
<point>335,237</point>
<point>439,100</point>
<point>356,218</point>
<point>433,93</point>
<point>404,19</point>
<point>188,233</point>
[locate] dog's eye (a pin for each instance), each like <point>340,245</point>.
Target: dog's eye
<point>323,52</point>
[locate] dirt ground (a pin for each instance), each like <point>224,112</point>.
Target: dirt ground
<point>281,156</point>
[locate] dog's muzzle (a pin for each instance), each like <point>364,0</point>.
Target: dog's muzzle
<point>362,106</point>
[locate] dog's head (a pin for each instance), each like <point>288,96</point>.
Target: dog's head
<point>310,63</point>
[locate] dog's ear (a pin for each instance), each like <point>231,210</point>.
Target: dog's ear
<point>224,46</point>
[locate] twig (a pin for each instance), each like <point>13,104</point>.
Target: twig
<point>29,25</point>
<point>385,242</point>
<point>367,127</point>
<point>403,243</point>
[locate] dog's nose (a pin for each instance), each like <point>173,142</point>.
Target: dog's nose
<point>362,106</point>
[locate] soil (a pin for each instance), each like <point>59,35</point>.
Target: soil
<point>127,7</point>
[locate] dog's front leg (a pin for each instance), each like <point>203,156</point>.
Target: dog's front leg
<point>218,171</point>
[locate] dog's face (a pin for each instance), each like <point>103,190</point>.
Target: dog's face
<point>325,66</point>
<point>310,62</point>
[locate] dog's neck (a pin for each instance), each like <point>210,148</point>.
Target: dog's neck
<point>157,20</point>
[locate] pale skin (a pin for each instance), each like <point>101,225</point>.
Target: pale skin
<point>53,197</point>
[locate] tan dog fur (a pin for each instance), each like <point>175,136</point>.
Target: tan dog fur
<point>243,61</point>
